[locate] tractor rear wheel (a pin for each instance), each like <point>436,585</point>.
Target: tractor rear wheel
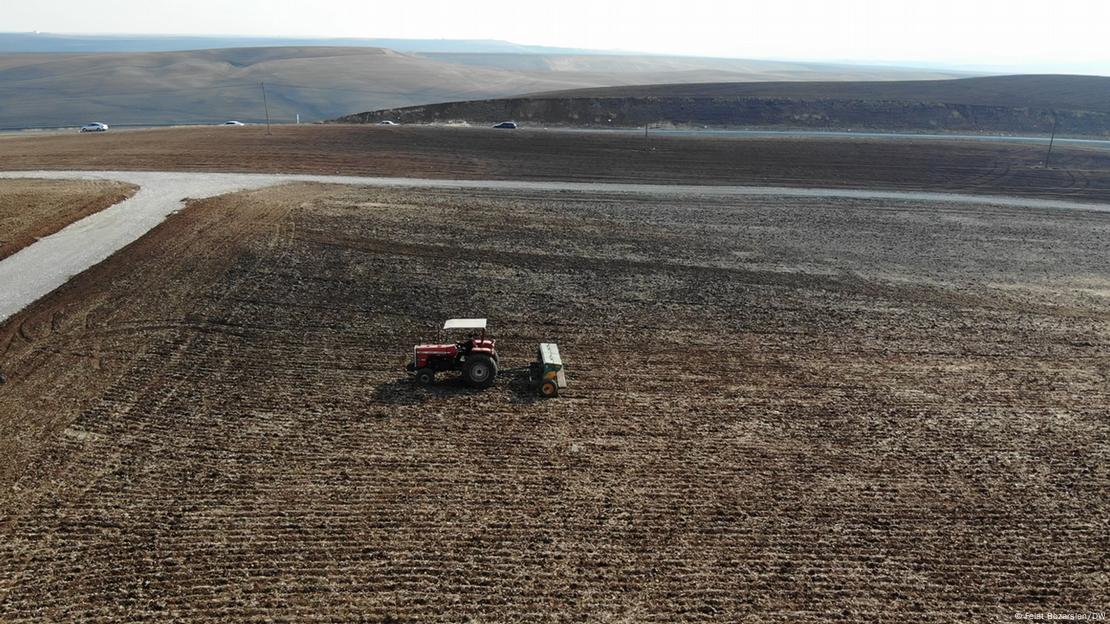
<point>549,388</point>
<point>480,371</point>
<point>425,376</point>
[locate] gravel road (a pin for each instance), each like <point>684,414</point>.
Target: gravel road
<point>49,263</point>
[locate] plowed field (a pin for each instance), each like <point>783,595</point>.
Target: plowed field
<point>31,209</point>
<point>780,410</point>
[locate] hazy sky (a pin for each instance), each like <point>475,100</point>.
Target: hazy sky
<point>1050,35</point>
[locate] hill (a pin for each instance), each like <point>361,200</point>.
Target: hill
<point>1078,93</point>
<point>1002,104</point>
<point>211,85</point>
<point>48,90</point>
<point>740,69</point>
<point>77,43</point>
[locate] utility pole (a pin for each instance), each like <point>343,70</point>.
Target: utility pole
<point>266,103</point>
<point>1051,141</point>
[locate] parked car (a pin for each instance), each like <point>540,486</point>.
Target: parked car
<point>510,125</point>
<point>95,126</point>
<point>233,123</point>
<point>386,122</point>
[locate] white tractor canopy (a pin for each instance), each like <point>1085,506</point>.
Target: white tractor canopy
<point>465,324</point>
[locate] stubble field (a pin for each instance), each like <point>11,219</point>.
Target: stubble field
<point>780,410</point>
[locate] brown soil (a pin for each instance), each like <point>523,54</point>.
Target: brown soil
<point>780,411</point>
<point>31,209</point>
<point>542,155</point>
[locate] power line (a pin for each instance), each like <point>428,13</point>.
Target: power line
<point>266,103</point>
<point>1051,141</point>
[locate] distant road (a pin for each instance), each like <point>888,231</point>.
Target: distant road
<point>116,128</point>
<point>38,269</point>
<point>844,134</point>
<point>677,132</point>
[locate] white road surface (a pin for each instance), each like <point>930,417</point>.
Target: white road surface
<point>50,262</point>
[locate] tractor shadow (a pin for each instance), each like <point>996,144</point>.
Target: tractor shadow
<point>407,392</point>
<point>523,390</point>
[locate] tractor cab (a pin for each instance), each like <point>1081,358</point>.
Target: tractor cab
<point>469,352</point>
<point>470,335</point>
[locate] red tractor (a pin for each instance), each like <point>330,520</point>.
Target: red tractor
<point>474,355</point>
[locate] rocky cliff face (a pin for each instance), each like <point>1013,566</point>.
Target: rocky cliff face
<point>748,112</point>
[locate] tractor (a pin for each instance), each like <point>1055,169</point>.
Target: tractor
<point>474,355</point>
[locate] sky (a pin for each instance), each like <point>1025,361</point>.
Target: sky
<point>1057,35</point>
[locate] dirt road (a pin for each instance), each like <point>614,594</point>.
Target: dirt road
<point>781,410</point>
<point>50,262</point>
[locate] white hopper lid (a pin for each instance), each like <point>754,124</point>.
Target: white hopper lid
<point>465,324</point>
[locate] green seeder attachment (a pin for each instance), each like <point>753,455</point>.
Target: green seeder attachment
<point>548,370</point>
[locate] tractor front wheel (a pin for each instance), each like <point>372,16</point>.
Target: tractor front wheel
<point>480,371</point>
<point>425,376</point>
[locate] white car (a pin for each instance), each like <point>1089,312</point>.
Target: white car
<point>95,126</point>
<point>233,123</point>
<point>387,122</point>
